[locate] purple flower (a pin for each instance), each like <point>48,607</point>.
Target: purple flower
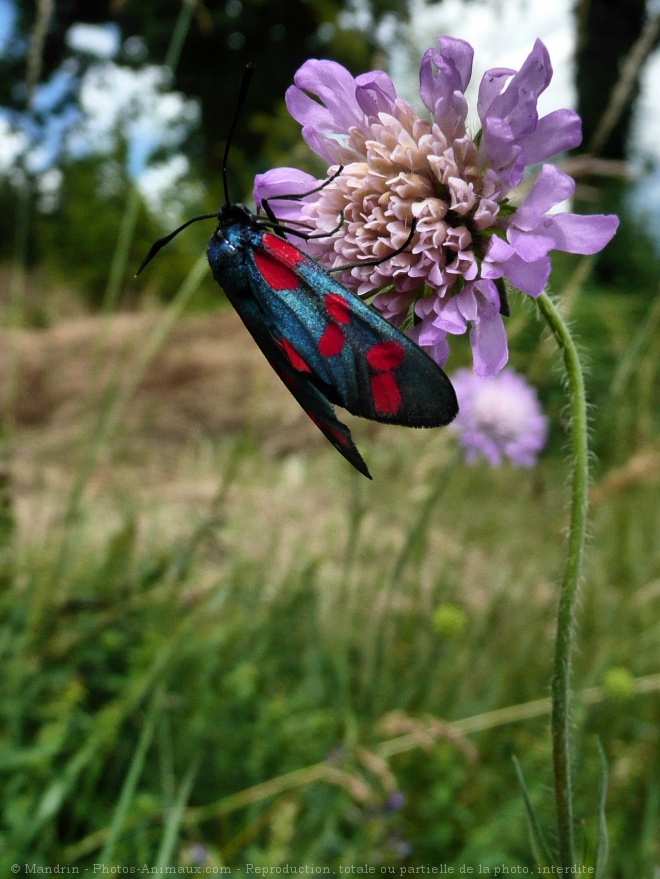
<point>197,854</point>
<point>469,236</point>
<point>395,802</point>
<point>498,417</point>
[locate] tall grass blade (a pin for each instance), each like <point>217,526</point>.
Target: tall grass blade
<point>174,816</point>
<point>602,843</point>
<point>646,331</point>
<point>121,255</point>
<point>413,543</point>
<point>134,200</point>
<point>179,34</point>
<point>132,779</point>
<point>115,400</point>
<point>540,847</point>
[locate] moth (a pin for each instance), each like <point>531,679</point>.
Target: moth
<point>326,345</point>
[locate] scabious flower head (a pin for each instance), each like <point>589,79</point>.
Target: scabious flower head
<point>398,167</point>
<point>197,855</point>
<point>499,417</point>
<point>395,802</point>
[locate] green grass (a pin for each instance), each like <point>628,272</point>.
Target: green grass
<point>155,673</point>
<point>253,652</point>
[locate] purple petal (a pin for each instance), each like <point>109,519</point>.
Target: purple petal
<point>502,261</point>
<point>331,149</point>
<point>530,277</point>
<point>510,118</point>
<point>489,345</point>
<point>450,114</point>
<point>536,73</point>
<point>427,80</point>
<point>454,63</point>
<point>488,297</point>
<point>498,252</point>
<point>377,79</point>
<point>375,93</point>
<point>491,86</point>
<point>581,234</point>
<point>501,152</point>
<point>517,103</point>
<point>433,341</point>
<point>426,334</point>
<point>555,133</point>
<point>530,246</point>
<point>332,106</point>
<point>311,114</point>
<point>550,188</point>
<point>456,312</point>
<point>334,87</point>
<point>442,92</point>
<point>459,54</point>
<point>282,181</point>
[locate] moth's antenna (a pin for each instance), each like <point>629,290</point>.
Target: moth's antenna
<point>158,245</point>
<point>240,100</point>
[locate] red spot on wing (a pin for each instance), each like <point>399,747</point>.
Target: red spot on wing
<point>282,249</point>
<point>292,356</point>
<point>276,260</point>
<point>385,392</point>
<point>385,356</point>
<point>332,341</point>
<point>338,308</point>
<point>323,425</point>
<point>275,273</point>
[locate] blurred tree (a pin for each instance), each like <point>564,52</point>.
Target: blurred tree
<point>607,30</point>
<point>222,38</point>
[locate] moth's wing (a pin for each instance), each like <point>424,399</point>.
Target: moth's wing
<point>353,355</point>
<point>296,376</point>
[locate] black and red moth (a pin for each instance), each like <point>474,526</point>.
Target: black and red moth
<point>327,345</point>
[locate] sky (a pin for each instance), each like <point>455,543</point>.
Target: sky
<point>6,19</point>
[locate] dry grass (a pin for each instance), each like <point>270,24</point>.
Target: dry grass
<point>205,379</point>
<point>207,385</point>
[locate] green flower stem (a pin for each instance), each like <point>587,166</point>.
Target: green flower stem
<point>561,681</point>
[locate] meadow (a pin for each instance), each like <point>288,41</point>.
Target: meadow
<point>221,647</point>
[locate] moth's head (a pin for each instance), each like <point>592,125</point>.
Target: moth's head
<point>229,214</point>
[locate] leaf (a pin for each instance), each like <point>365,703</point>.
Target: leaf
<point>164,858</point>
<point>540,847</point>
<point>602,843</point>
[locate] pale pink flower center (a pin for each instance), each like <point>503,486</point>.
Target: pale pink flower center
<point>409,170</point>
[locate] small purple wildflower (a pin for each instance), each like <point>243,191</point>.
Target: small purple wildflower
<point>198,854</point>
<point>398,166</point>
<point>399,847</point>
<point>395,802</point>
<point>499,417</point>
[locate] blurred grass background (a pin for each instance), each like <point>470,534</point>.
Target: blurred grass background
<point>221,646</point>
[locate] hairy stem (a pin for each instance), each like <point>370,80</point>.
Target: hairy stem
<point>561,681</point>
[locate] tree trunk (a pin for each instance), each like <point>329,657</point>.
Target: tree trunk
<point>606,29</point>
